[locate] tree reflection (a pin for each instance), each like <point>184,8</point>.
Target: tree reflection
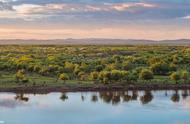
<point>106,96</point>
<point>83,97</point>
<point>175,97</point>
<point>116,98</point>
<point>134,95</point>
<point>126,97</point>
<point>21,97</point>
<point>185,94</point>
<point>111,97</point>
<point>147,97</point>
<point>166,93</point>
<point>94,98</point>
<point>64,97</point>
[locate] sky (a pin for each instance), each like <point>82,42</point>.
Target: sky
<point>116,19</point>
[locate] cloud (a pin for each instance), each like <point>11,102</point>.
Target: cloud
<point>5,6</point>
<point>40,9</point>
<point>37,11</point>
<point>6,1</point>
<point>63,8</point>
<point>112,11</point>
<point>57,8</point>
<point>126,6</point>
<point>186,17</point>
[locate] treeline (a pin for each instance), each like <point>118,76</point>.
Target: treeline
<point>100,64</point>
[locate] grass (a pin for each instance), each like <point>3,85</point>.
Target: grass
<point>8,81</point>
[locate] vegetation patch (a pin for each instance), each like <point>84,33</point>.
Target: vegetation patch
<point>93,65</point>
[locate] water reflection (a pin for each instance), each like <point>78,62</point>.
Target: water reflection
<point>147,97</point>
<point>114,98</point>
<point>131,107</point>
<point>64,97</point>
<point>21,97</point>
<point>175,97</point>
<point>185,94</point>
<point>94,98</point>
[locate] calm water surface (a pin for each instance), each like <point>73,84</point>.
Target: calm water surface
<point>130,107</point>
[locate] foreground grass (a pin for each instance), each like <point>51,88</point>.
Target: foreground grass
<point>8,81</point>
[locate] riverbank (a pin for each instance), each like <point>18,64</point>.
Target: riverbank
<point>48,89</point>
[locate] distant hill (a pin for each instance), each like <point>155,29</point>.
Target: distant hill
<point>94,41</point>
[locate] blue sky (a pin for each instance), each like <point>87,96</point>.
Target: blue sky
<point>125,19</point>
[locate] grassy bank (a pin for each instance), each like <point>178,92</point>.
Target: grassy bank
<point>35,80</point>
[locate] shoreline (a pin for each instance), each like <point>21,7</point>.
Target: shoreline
<point>49,89</point>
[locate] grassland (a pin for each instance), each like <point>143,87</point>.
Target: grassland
<point>93,66</point>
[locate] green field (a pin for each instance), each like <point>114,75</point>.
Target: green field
<point>80,65</point>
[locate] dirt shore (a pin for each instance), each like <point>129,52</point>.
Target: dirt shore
<point>48,89</point>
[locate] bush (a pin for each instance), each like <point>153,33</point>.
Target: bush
<point>184,75</point>
<point>160,68</point>
<point>20,76</point>
<point>146,74</point>
<point>64,76</point>
<point>94,75</point>
<point>175,76</point>
<point>99,68</point>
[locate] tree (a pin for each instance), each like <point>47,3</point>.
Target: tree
<point>94,75</point>
<point>175,76</point>
<point>146,74</point>
<point>117,58</point>
<point>116,75</point>
<point>173,67</point>
<point>69,67</point>
<point>184,75</point>
<point>160,68</point>
<point>99,68</point>
<point>20,76</point>
<point>105,76</point>
<point>63,76</point>
<point>127,66</point>
<point>82,75</point>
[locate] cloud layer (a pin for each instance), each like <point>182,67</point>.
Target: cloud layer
<point>128,9</point>
<point>82,15</point>
<point>33,11</point>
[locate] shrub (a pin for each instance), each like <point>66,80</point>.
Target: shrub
<point>160,68</point>
<point>175,76</point>
<point>94,75</point>
<point>146,74</point>
<point>20,76</point>
<point>184,75</point>
<point>64,76</point>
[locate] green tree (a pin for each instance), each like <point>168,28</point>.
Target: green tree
<point>64,76</point>
<point>175,76</point>
<point>184,75</point>
<point>94,75</point>
<point>99,68</point>
<point>20,76</point>
<point>105,76</point>
<point>116,75</point>
<point>146,74</point>
<point>127,66</point>
<point>69,67</point>
<point>160,68</point>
